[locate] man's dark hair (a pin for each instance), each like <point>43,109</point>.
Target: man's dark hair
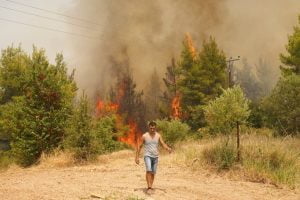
<point>152,123</point>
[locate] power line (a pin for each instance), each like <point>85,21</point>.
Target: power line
<point>53,12</point>
<point>50,29</point>
<point>49,18</point>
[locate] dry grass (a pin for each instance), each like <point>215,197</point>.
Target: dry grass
<point>276,160</point>
<point>61,159</point>
<point>5,160</point>
<point>264,158</point>
<point>57,159</point>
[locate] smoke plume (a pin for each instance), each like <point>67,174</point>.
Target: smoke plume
<point>146,34</point>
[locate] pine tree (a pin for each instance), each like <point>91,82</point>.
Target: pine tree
<point>131,104</point>
<point>202,79</point>
<point>292,60</point>
<point>171,80</point>
<point>283,106</point>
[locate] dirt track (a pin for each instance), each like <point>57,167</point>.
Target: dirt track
<point>117,177</point>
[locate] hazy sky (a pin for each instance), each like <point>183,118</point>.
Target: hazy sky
<point>249,28</point>
<point>53,42</point>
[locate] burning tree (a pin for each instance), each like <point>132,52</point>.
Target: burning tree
<point>126,103</point>
<point>153,97</point>
<point>171,95</point>
<point>129,108</point>
<point>202,77</point>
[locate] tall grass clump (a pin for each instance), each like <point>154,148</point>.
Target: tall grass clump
<point>275,159</point>
<point>221,155</point>
<point>263,158</point>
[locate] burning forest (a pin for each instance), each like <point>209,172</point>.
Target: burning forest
<point>194,69</point>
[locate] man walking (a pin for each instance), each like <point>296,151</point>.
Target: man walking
<point>150,140</point>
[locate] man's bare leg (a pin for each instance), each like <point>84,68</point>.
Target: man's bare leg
<point>148,179</point>
<point>152,179</point>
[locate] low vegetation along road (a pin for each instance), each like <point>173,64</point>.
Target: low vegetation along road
<point>116,176</point>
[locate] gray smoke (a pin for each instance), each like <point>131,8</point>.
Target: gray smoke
<point>146,34</point>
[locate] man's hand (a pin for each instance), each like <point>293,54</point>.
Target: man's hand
<point>137,161</point>
<point>169,149</point>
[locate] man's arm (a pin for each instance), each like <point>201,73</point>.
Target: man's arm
<point>138,150</point>
<point>164,144</point>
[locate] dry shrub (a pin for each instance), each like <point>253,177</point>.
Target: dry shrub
<point>57,159</point>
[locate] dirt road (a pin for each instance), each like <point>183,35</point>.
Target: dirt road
<point>117,177</point>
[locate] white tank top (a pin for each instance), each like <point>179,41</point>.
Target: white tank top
<point>151,145</point>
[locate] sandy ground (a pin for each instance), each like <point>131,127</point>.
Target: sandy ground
<point>118,177</point>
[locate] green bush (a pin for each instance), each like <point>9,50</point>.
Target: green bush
<point>106,133</point>
<point>172,131</point>
<point>18,125</point>
<point>87,136</point>
<point>223,113</point>
<point>79,136</point>
<point>256,115</point>
<point>222,155</point>
<point>282,107</point>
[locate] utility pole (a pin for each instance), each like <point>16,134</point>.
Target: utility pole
<point>230,62</point>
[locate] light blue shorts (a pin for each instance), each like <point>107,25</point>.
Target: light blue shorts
<point>151,164</point>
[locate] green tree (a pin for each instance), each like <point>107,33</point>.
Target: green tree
<point>228,111</point>
<point>223,113</point>
<point>282,107</point>
<point>49,95</point>
<point>292,59</point>
<point>13,68</point>
<point>202,78</point>
<point>131,104</point>
<point>39,106</point>
<point>107,130</point>
<point>79,136</point>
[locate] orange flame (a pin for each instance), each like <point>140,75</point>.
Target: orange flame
<point>190,45</point>
<point>133,136</point>
<point>104,108</point>
<point>176,114</point>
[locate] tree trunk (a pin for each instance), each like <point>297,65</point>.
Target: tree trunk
<point>238,141</point>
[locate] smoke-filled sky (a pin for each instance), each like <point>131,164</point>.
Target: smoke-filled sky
<point>147,34</point>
